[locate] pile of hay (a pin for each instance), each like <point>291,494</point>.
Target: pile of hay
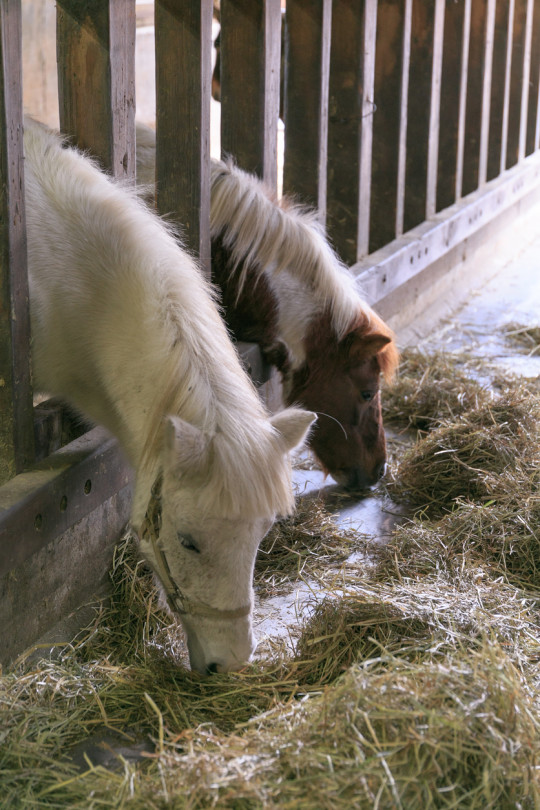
<point>414,683</point>
<point>432,387</point>
<point>524,338</point>
<point>483,455</point>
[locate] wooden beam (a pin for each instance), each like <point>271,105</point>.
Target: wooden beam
<point>418,124</point>
<point>96,79</point>
<point>451,89</point>
<point>534,83</point>
<point>435,109</point>
<point>183,33</point>
<point>350,126</point>
<point>475,86</point>
<point>308,24</point>
<point>518,39</point>
<point>16,416</point>
<point>500,83</point>
<point>251,46</point>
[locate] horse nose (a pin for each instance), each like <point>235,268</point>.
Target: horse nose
<point>211,669</point>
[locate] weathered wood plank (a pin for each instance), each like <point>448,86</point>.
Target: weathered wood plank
<point>403,117</point>
<point>534,83</point>
<point>16,417</point>
<point>251,47</point>
<point>387,120</point>
<point>455,23</point>
<point>485,99</point>
<point>418,125</point>
<point>475,86</point>
<point>306,100</point>
<point>434,109</point>
<point>350,126</point>
<point>96,79</point>
<point>516,82</point>
<point>183,85</point>
<point>500,79</point>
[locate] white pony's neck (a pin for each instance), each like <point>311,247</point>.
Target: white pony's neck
<point>287,243</point>
<point>141,337</point>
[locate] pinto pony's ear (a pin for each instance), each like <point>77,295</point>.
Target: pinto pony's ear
<point>373,338</point>
<point>293,425</point>
<point>185,447</point>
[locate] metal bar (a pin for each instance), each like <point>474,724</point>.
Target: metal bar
<point>96,79</point>
<point>183,34</point>
<point>39,505</point>
<point>16,417</point>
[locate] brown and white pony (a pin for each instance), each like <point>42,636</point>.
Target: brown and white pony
<point>284,287</point>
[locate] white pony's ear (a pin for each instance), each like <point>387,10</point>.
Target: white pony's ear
<point>185,447</point>
<point>293,425</point>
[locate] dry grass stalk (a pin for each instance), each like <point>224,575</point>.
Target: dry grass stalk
<point>297,545</point>
<point>523,338</point>
<point>471,457</point>
<point>432,387</point>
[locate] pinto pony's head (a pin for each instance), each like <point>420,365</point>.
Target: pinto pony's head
<point>340,380</point>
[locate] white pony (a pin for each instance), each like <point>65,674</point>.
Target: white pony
<point>126,329</point>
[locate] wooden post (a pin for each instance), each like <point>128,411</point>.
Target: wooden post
<point>418,125</point>
<point>457,19</point>
<point>183,84</point>
<point>16,414</point>
<point>96,79</point>
<point>350,126</point>
<point>534,83</point>
<point>390,118</point>
<point>251,47</point>
<point>518,38</point>
<point>475,87</point>
<point>306,100</point>
<point>500,87</point>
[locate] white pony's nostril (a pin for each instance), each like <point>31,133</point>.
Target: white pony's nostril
<point>212,668</point>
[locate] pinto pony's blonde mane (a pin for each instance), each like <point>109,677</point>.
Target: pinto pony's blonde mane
<point>156,344</point>
<point>266,235</point>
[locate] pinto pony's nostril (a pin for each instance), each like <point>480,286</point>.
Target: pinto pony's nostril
<point>211,669</point>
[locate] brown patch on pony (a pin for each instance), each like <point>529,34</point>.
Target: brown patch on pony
<point>370,335</point>
<point>251,315</point>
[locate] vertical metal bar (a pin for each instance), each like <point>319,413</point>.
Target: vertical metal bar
<point>16,415</point>
<point>435,106</point>
<point>183,34</point>
<point>486,93</point>
<point>403,118</point>
<point>463,83</point>
<point>366,127</point>
<point>96,79</point>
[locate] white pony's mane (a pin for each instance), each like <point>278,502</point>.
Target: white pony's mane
<point>168,335</point>
<point>276,236</point>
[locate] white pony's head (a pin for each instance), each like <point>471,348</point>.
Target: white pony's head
<point>204,543</point>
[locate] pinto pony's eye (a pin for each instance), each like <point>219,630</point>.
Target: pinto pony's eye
<point>188,542</point>
<point>367,396</point>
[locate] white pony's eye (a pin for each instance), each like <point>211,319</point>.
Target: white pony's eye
<point>188,542</point>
